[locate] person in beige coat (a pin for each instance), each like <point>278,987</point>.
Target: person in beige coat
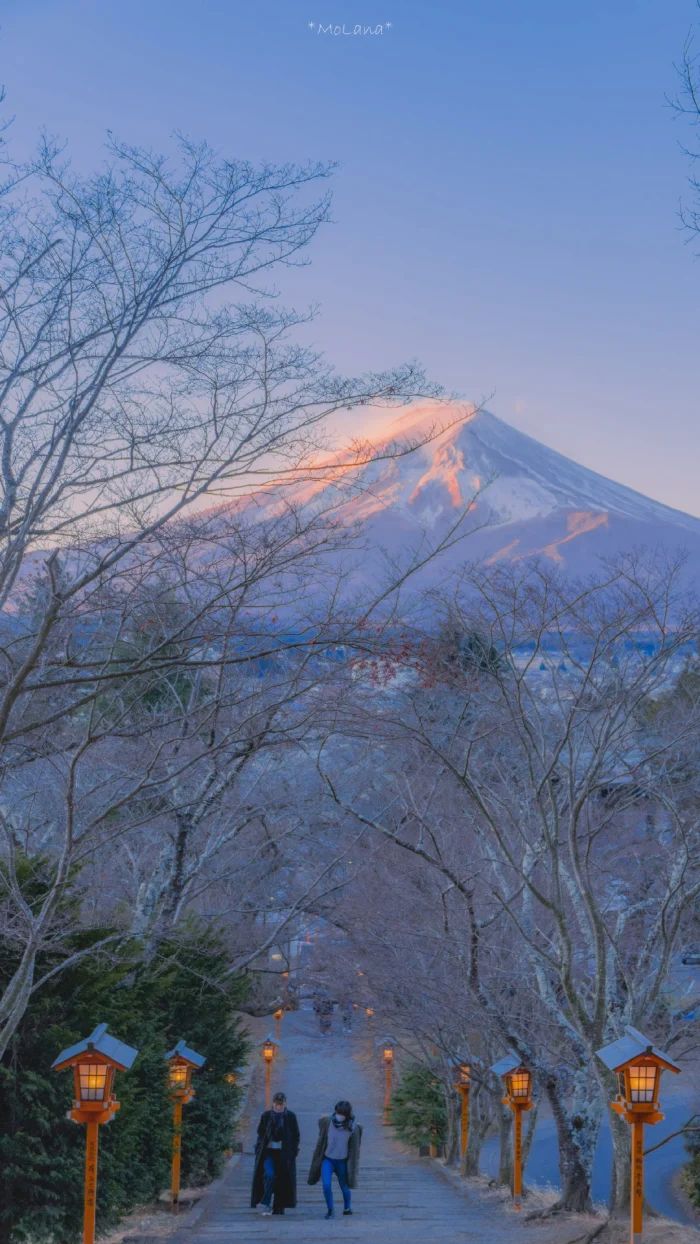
<point>337,1153</point>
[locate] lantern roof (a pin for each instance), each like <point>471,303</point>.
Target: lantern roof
<point>186,1054</point>
<point>619,1054</point>
<point>505,1065</point>
<point>99,1042</point>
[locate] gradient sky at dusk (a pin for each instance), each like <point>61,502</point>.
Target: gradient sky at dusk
<point>506,207</point>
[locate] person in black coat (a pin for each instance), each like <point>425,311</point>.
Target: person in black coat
<point>276,1149</point>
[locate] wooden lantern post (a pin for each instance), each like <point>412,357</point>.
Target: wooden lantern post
<point>463,1084</point>
<point>518,1085</point>
<point>638,1066</point>
<point>269,1053</point>
<point>388,1060</point>
<point>182,1061</point>
<point>94,1062</point>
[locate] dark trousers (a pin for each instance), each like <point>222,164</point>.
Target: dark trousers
<point>339,1168</point>
<point>270,1172</point>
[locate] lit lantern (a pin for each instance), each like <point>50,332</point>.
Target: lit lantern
<point>179,1078</point>
<point>182,1061</point>
<point>269,1052</point>
<point>94,1062</point>
<point>518,1085</point>
<point>278,1016</point>
<point>369,1011</point>
<point>231,1077</point>
<point>638,1065</point>
<point>642,1081</point>
<point>93,1083</point>
<point>388,1054</point>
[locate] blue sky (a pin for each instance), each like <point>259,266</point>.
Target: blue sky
<point>506,206</point>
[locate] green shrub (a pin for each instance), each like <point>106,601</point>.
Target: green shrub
<point>185,991</point>
<point>419,1114</point>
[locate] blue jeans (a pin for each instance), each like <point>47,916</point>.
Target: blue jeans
<point>340,1166</point>
<point>269,1177</point>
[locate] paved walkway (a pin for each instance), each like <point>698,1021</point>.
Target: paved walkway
<point>400,1199</point>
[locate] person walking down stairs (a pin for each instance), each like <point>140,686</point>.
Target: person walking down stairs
<point>276,1149</point>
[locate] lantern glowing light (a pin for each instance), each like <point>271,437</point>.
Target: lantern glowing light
<point>518,1085</point>
<point>642,1084</point>
<point>93,1080</point>
<point>179,1076</point>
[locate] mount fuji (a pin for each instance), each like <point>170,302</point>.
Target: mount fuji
<point>524,500</point>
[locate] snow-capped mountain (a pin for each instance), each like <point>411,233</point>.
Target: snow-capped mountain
<point>526,499</point>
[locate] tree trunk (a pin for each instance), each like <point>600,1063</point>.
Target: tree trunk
<point>452,1136</point>
<point>505,1134</point>
<point>15,999</point>
<point>621,1170</point>
<point>530,1125</point>
<point>478,1125</point>
<point>577,1133</point>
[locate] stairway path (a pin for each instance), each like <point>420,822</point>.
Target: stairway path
<point>400,1198</point>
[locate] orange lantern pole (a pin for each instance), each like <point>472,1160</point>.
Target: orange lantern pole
<point>269,1052</point>
<point>638,1066</point>
<point>637,1189</point>
<point>388,1058</point>
<point>90,1184</point>
<point>94,1062</point>
<point>462,1085</point>
<point>182,1061</point>
<point>517,1156</point>
<point>518,1084</point>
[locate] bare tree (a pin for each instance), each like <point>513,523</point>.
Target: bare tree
<point>535,766</point>
<point>144,367</point>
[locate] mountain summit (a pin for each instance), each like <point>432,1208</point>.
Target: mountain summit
<point>524,499</point>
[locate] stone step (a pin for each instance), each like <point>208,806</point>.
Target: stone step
<point>400,1199</point>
